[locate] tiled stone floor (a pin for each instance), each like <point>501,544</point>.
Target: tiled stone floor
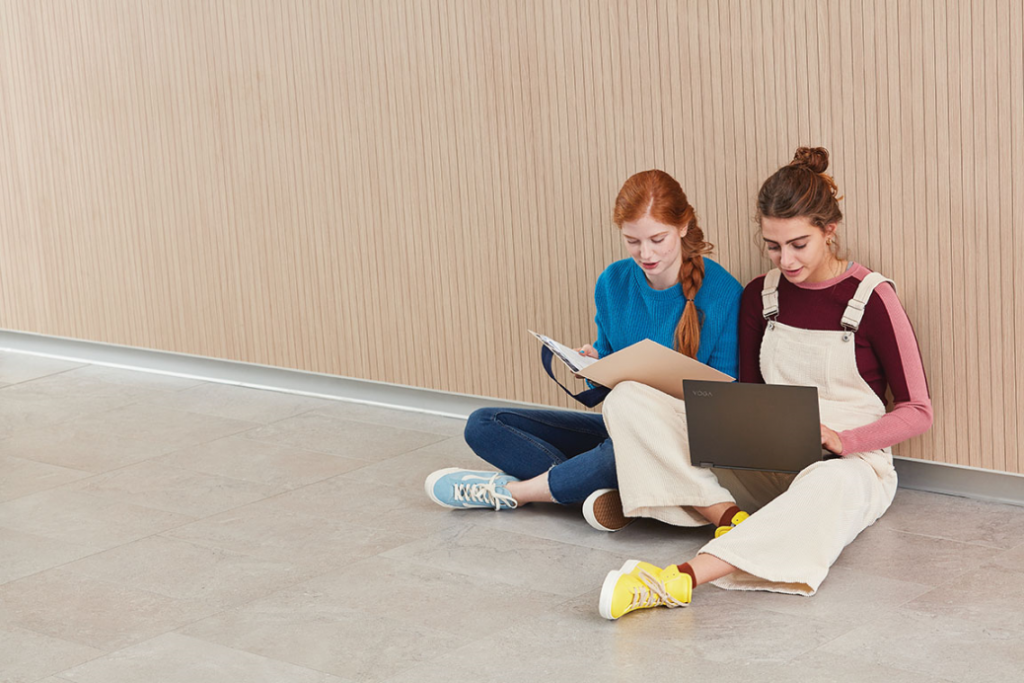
<point>158,529</point>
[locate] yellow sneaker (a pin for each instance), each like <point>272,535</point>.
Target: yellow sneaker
<point>736,519</point>
<point>623,593</point>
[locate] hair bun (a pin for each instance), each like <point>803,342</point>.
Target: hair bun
<point>814,158</point>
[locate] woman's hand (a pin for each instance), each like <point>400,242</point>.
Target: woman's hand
<point>590,352</point>
<point>831,441</point>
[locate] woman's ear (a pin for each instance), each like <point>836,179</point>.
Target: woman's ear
<point>830,233</point>
<point>683,230</point>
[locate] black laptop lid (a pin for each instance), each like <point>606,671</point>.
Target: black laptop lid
<point>766,427</point>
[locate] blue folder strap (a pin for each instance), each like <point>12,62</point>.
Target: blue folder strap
<point>589,397</point>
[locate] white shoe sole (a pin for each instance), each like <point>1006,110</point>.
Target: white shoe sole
<point>428,485</point>
<point>591,516</point>
<point>604,605</point>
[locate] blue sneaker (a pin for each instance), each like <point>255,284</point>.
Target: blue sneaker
<point>461,489</point>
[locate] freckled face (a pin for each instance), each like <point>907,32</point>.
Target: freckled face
<point>798,248</point>
<point>657,248</point>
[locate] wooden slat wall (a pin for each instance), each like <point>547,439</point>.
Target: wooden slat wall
<point>396,190</point>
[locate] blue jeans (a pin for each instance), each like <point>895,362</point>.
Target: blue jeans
<point>573,447</point>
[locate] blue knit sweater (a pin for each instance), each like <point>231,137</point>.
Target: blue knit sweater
<point>629,310</point>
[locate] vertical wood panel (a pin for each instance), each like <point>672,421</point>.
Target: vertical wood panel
<point>1015,61</point>
<point>943,279</point>
<point>395,191</point>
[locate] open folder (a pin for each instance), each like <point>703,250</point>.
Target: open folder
<point>646,361</point>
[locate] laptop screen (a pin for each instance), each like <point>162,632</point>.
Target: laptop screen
<point>766,427</point>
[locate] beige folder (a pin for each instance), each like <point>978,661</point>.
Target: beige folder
<point>651,363</point>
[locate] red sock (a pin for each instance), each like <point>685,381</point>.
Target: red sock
<point>685,568</point>
<point>727,517</point>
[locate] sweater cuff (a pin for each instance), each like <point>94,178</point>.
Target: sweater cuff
<point>851,444</point>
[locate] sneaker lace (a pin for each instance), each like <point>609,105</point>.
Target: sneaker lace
<point>655,593</point>
<point>486,492</point>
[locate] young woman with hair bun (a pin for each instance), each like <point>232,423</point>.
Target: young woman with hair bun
<point>667,291</point>
<point>814,320</point>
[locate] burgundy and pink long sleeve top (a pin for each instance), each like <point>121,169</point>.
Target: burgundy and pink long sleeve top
<point>886,349</point>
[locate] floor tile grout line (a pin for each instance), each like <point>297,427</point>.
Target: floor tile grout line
<point>217,609</point>
<point>52,374</point>
<point>737,600</point>
<point>950,540</point>
<point>56,566</point>
<point>48,464</point>
<point>250,503</point>
<point>93,475</point>
<point>60,423</point>
<point>293,586</point>
<point>365,422</point>
<point>258,424</point>
<point>472,525</point>
<point>624,551</point>
<point>114,389</point>
<point>176,631</point>
<point>300,448</point>
<point>103,653</point>
<point>162,531</point>
<point>873,663</point>
<point>110,651</point>
<point>241,434</point>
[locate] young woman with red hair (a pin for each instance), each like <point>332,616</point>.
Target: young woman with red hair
<point>667,291</point>
<point>816,319</point>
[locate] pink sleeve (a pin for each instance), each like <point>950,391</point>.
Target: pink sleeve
<point>897,349</point>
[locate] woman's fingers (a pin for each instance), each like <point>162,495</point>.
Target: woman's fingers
<point>830,440</point>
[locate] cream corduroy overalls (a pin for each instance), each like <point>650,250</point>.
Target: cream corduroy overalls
<point>802,522</point>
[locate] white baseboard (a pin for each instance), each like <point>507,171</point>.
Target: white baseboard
<point>252,375</point>
<point>921,475</point>
<point>958,480</point>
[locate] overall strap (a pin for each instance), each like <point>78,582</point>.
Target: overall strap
<point>770,293</point>
<point>855,308</point>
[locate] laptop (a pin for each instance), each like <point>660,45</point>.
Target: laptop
<point>765,427</point>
